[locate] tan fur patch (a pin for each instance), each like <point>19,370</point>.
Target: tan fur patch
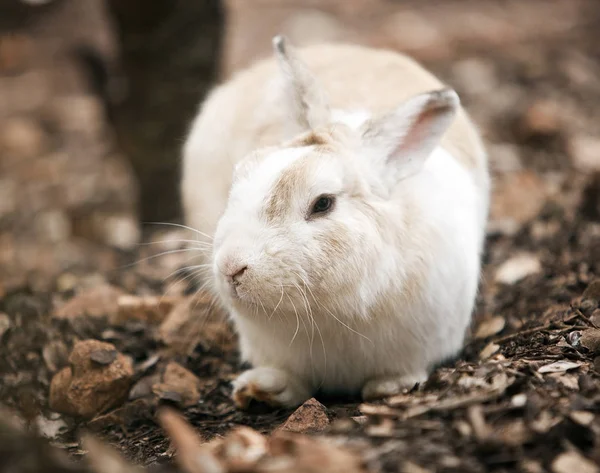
<point>292,179</point>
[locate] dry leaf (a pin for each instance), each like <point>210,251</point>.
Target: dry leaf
<point>490,326</point>
<point>517,268</point>
<point>559,367</point>
<point>573,462</point>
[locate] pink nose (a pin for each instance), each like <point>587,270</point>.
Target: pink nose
<point>234,272</point>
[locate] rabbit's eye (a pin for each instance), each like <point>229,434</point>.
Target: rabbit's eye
<point>323,204</point>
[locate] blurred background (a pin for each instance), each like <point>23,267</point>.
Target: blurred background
<point>96,97</point>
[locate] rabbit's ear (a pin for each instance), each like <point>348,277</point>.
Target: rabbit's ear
<point>305,101</point>
<point>399,142</point>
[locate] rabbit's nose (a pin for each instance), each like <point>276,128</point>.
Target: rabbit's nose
<point>235,272</point>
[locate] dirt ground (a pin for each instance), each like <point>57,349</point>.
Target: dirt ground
<point>523,396</point>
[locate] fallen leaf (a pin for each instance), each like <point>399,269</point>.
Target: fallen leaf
<point>409,467</point>
<point>489,350</point>
<point>584,418</point>
<point>490,326</point>
<point>573,462</point>
<point>104,459</point>
<point>518,268</point>
<point>559,367</point>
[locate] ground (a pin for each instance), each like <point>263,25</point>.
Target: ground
<point>523,395</point>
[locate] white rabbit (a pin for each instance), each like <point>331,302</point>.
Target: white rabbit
<point>348,210</point>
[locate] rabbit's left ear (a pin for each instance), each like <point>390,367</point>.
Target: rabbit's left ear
<point>305,101</point>
<point>400,142</point>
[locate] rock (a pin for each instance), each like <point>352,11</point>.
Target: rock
<point>150,309</point>
<point>86,387</point>
<point>590,339</point>
<point>178,385</point>
<point>585,153</point>
<point>309,417</point>
<point>94,302</point>
<point>571,462</point>
<point>517,268</point>
<point>194,320</point>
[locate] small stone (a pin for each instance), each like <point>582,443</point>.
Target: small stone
<point>517,268</point>
<point>86,388</point>
<point>193,320</point>
<point>490,326</point>
<point>571,462</point>
<point>96,301</point>
<point>309,417</point>
<point>590,339</point>
<point>178,385</point>
<point>4,324</point>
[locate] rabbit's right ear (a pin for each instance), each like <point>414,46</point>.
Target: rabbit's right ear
<point>398,143</point>
<point>305,101</point>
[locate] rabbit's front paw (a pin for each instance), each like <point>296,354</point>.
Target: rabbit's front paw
<point>271,386</point>
<point>379,388</point>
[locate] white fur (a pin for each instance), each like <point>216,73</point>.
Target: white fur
<point>411,220</point>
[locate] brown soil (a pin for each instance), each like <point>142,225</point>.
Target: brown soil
<point>498,408</point>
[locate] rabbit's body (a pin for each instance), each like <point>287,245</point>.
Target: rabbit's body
<point>370,293</point>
